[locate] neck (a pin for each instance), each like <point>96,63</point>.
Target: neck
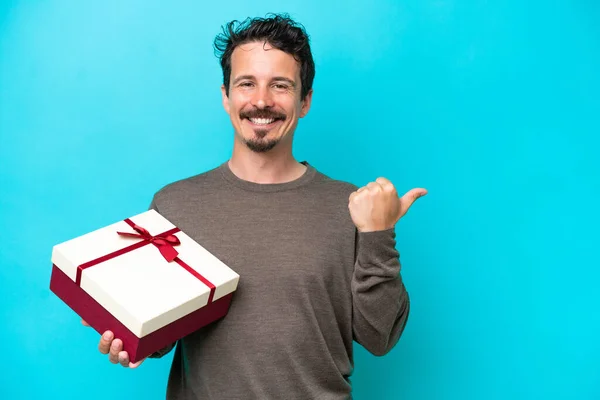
<point>275,166</point>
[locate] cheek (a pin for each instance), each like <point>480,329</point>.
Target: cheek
<point>237,103</point>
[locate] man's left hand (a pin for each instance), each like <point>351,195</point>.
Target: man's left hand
<point>377,207</point>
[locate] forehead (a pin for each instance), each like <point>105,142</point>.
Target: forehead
<point>263,61</point>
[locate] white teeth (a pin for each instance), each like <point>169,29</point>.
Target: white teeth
<point>261,121</point>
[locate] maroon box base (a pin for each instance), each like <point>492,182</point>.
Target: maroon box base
<point>138,348</point>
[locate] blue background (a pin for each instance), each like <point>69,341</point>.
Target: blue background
<point>492,106</point>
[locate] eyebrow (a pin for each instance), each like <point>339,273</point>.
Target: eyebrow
<point>277,78</point>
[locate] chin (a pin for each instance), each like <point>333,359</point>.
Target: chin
<point>261,146</point>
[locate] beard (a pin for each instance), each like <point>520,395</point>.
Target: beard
<point>259,144</point>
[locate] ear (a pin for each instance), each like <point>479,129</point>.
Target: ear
<point>225,99</point>
<point>306,104</point>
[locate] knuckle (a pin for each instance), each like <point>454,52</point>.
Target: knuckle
<point>383,181</point>
<point>376,188</point>
<point>385,184</point>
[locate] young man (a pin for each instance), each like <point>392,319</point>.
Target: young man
<point>317,257</point>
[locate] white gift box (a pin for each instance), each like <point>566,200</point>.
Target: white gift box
<point>125,278</point>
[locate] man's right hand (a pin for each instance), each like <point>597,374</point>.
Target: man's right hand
<point>114,348</point>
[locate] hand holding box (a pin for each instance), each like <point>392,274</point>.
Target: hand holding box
<point>144,280</point>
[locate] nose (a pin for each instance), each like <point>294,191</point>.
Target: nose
<point>262,97</point>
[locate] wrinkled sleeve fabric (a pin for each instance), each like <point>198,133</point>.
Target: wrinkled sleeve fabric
<point>380,301</point>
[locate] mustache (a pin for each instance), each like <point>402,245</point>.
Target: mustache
<point>267,114</point>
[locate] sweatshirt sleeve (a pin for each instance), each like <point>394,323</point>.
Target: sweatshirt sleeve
<point>380,301</point>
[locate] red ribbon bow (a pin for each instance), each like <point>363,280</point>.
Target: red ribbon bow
<point>164,243</point>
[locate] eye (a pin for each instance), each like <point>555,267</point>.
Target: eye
<point>281,86</point>
<point>246,84</point>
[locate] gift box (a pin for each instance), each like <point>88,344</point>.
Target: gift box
<point>143,279</point>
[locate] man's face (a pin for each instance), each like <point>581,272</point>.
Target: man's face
<point>264,101</point>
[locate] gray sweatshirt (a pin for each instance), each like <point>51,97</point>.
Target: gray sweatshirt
<point>309,285</point>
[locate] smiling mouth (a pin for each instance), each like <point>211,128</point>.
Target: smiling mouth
<point>262,121</point>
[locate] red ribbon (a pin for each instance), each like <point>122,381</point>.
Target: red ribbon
<point>163,241</point>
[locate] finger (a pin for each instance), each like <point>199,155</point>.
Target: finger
<point>386,184</point>
<point>359,193</point>
<point>374,187</point>
<point>411,196</point>
<point>136,364</point>
<point>383,181</point>
<point>84,323</point>
<point>105,341</point>
<point>352,196</point>
<point>124,358</point>
<point>115,349</point>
